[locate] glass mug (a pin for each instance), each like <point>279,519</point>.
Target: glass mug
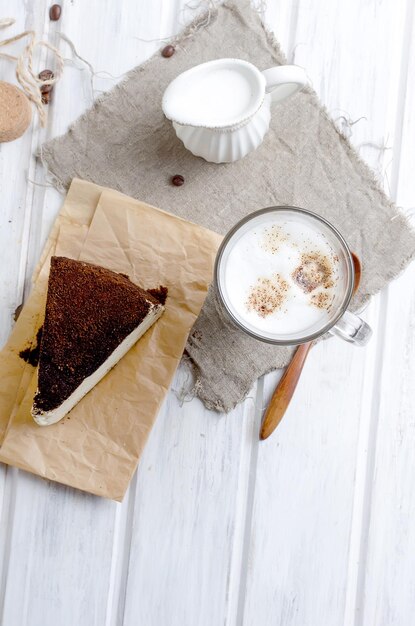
<point>337,319</point>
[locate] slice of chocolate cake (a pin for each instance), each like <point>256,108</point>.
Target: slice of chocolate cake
<point>93,317</point>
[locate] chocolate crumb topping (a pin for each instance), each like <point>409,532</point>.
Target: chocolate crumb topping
<point>267,295</point>
<point>90,310</point>
<point>315,270</point>
<point>31,355</point>
<point>159,294</point>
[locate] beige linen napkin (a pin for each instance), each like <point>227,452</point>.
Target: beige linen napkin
<point>304,161</point>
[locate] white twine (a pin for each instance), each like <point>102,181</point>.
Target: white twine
<point>8,21</point>
<point>29,81</point>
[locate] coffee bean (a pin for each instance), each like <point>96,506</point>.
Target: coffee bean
<point>177,180</point>
<point>168,51</point>
<point>46,97</point>
<point>55,12</point>
<point>46,75</point>
<point>46,90</point>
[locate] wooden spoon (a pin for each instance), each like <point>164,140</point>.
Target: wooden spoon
<point>288,383</point>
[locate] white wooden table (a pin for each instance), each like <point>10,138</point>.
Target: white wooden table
<point>314,527</point>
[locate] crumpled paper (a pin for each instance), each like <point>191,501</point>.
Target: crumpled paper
<point>97,446</point>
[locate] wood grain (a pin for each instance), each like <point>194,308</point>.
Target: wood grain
<point>387,577</point>
<point>314,525</point>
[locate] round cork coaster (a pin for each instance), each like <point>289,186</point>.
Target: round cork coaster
<point>15,112</point>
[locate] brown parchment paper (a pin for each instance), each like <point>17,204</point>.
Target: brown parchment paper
<point>96,448</point>
<point>71,227</point>
<point>69,242</point>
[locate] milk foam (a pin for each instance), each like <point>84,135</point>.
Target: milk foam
<point>269,255</point>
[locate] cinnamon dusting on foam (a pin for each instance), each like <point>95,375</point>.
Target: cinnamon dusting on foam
<point>315,270</point>
<point>267,295</point>
<point>274,236</point>
<point>322,300</point>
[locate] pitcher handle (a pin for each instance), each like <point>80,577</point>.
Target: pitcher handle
<point>284,81</point>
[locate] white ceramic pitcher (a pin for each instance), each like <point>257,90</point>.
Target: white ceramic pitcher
<point>221,110</point>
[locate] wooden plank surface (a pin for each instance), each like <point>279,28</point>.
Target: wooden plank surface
<point>311,527</point>
<point>387,577</point>
<point>306,559</point>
